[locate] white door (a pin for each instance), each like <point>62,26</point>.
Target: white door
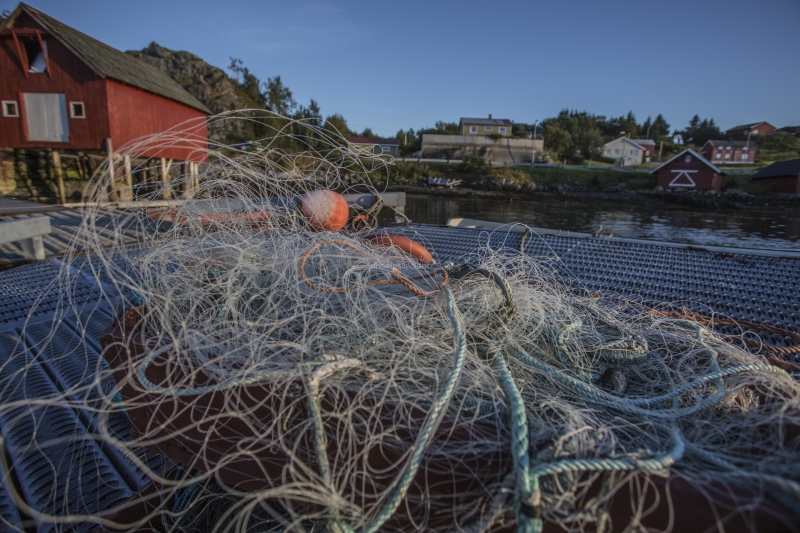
<point>46,115</point>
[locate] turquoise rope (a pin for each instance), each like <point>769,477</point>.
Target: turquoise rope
<point>519,450</point>
<point>426,435</point>
<point>637,406</point>
<point>603,465</point>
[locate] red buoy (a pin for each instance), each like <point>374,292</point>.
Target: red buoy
<point>409,246</point>
<point>324,210</point>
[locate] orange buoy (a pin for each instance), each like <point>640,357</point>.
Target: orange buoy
<point>409,246</point>
<point>324,209</point>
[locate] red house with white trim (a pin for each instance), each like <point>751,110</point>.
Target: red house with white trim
<point>62,89</point>
<point>689,170</point>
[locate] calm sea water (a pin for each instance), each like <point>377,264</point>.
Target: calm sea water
<point>742,229</point>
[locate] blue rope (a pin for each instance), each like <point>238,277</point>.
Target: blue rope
<point>438,409</point>
<point>527,500</point>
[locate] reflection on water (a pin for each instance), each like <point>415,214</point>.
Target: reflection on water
<point>627,218</point>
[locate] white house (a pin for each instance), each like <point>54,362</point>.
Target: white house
<point>625,151</point>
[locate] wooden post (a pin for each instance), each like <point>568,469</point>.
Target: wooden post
<point>62,194</point>
<point>166,193</point>
<point>128,190</point>
<point>111,178</point>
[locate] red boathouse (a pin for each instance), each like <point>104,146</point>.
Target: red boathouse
<point>62,90</point>
<point>689,170</point>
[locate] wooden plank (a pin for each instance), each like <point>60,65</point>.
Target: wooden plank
<point>111,177</point>
<point>44,53</point>
<point>62,195</point>
<point>23,58</point>
<point>127,192</point>
<point>166,193</point>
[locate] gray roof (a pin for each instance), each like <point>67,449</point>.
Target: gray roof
<point>109,62</point>
<point>778,169</point>
<point>487,121</point>
<point>695,154</point>
<point>745,126</point>
<point>731,143</point>
<point>644,141</point>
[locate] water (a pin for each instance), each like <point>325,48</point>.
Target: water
<point>629,217</point>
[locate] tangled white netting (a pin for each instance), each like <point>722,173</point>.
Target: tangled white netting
<point>301,379</point>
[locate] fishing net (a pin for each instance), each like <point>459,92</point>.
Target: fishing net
<point>301,379</point>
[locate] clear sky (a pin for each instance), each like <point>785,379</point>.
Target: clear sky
<point>392,65</point>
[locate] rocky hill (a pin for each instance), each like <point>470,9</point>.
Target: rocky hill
<point>209,84</point>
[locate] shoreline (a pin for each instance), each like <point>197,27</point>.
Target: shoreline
<point>725,201</point>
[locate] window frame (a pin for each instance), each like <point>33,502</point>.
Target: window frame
<point>5,103</point>
<point>688,158</point>
<point>473,129</point>
<point>72,110</point>
<point>487,128</point>
<point>501,129</point>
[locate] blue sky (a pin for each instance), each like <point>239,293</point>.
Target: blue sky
<point>392,65</point>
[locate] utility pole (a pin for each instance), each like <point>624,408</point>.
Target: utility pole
<point>533,156</point>
<point>747,149</point>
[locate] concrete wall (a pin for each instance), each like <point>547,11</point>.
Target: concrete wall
<point>502,150</point>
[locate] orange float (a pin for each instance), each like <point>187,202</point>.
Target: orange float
<point>324,210</point>
<point>409,246</point>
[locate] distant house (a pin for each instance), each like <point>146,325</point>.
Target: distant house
<point>375,145</point>
<point>486,126</point>
<point>649,147</point>
<point>689,170</point>
<point>756,128</point>
<point>730,151</point>
<point>63,90</point>
<point>782,176</point>
<point>794,130</point>
<point>625,151</point>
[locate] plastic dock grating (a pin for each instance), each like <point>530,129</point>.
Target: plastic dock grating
<point>58,352</point>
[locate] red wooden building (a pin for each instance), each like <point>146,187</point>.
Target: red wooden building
<point>63,90</point>
<point>740,152</point>
<point>781,176</point>
<point>756,128</point>
<point>689,170</point>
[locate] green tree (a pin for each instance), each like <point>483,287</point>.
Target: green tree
<point>558,141</point>
<point>367,133</point>
<point>248,83</point>
<point>660,128</point>
<point>698,132</point>
<point>4,14</point>
<point>336,125</point>
<point>278,96</point>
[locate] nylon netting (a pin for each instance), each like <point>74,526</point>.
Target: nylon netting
<point>306,380</point>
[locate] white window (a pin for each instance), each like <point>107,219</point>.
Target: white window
<point>46,117</point>
<point>754,132</point>
<point>487,128</point>
<point>727,147</point>
<point>688,159</point>
<point>10,108</point>
<point>76,110</point>
<point>719,156</point>
<point>502,129</point>
<point>616,150</point>
<point>608,151</point>
<point>727,156</point>
<point>635,152</point>
<point>473,129</point>
<point>745,148</point>
<point>744,156</point>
